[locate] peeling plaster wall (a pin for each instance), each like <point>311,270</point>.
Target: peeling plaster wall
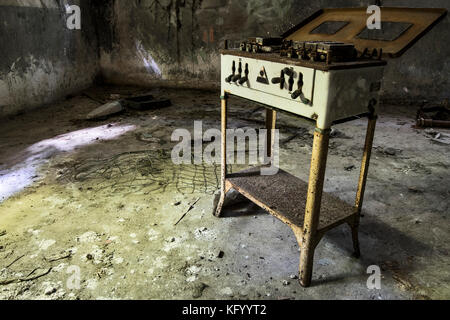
<point>171,43</point>
<point>41,60</point>
<point>176,42</point>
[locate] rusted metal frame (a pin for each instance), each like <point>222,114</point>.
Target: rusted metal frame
<point>311,237</point>
<point>354,225</point>
<point>365,163</point>
<point>425,120</point>
<point>223,175</point>
<point>421,122</point>
<point>271,119</point>
<point>348,220</point>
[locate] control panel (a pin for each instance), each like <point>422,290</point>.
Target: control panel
<point>323,96</point>
<point>288,82</point>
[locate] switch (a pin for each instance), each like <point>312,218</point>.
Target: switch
<point>276,80</point>
<point>239,75</point>
<point>245,78</point>
<point>279,80</point>
<point>282,80</point>
<point>299,92</point>
<point>242,80</point>
<point>233,69</point>
<point>291,82</point>
<point>300,80</point>
<point>289,72</point>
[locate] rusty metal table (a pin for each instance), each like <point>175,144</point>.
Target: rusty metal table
<point>308,210</point>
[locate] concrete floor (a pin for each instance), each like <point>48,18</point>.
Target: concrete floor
<point>103,198</point>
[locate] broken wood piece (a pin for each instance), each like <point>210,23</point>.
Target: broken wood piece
<point>58,257</point>
<point>18,280</point>
<point>17,259</point>
<point>190,208</point>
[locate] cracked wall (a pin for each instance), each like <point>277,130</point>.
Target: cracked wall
<point>176,42</point>
<point>171,43</point>
<point>41,60</point>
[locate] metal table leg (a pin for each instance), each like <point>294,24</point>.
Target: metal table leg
<point>271,119</point>
<point>310,238</point>
<point>224,104</point>
<point>362,182</point>
<point>308,235</point>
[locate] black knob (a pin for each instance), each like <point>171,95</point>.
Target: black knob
<point>296,94</point>
<point>245,78</point>
<point>291,82</point>
<point>299,93</point>
<point>233,69</point>
<point>300,80</point>
<point>242,80</point>
<point>279,80</point>
<point>276,80</point>
<point>283,81</point>
<point>239,75</point>
<point>289,72</point>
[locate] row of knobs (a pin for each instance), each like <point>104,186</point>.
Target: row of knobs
<point>241,79</point>
<point>238,78</point>
<point>282,81</point>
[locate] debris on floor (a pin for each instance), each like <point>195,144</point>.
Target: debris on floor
<point>137,193</point>
<point>438,137</point>
<point>388,151</point>
<point>146,102</point>
<point>106,110</point>
<point>191,206</point>
<point>141,102</point>
<point>434,116</point>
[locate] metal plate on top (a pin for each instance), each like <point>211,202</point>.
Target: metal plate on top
<point>401,28</point>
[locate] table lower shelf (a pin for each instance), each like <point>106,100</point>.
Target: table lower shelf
<point>284,196</point>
